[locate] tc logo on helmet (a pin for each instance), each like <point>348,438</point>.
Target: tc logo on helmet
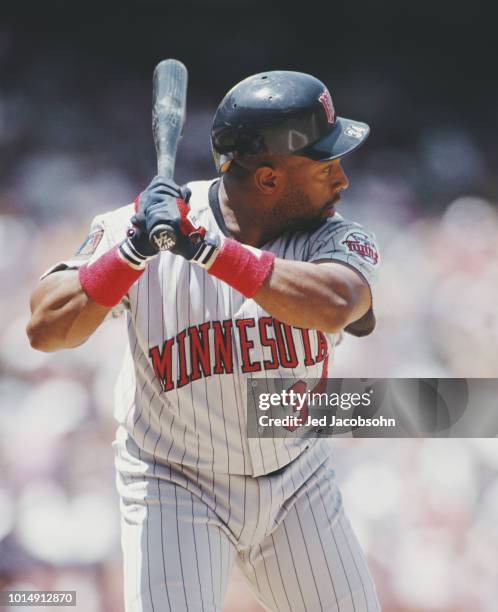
<point>326,102</point>
<point>360,243</point>
<point>355,131</point>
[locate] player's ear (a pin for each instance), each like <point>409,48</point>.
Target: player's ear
<point>267,179</point>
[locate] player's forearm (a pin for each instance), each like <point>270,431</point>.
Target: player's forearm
<point>307,295</point>
<point>62,315</point>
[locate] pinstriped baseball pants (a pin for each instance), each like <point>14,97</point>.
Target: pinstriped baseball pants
<point>182,530</point>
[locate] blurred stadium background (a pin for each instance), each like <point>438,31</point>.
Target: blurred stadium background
<point>75,140</point>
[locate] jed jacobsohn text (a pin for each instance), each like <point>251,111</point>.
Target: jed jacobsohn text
<point>327,420</point>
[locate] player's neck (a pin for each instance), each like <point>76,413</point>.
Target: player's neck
<point>241,216</point>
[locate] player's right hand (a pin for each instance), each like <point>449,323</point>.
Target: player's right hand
<point>151,208</point>
<point>159,203</point>
<point>156,205</point>
<point>164,203</point>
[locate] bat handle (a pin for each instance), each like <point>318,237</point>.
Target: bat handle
<point>162,236</point>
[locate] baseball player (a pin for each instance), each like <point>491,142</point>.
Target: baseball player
<point>262,278</point>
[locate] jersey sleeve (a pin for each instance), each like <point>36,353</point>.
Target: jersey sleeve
<point>105,231</point>
<point>98,241</point>
<point>349,243</point>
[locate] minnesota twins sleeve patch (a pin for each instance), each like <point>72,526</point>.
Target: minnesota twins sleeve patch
<point>361,244</point>
<point>90,244</point>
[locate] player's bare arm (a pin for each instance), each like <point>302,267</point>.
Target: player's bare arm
<point>62,315</point>
<point>326,296</point>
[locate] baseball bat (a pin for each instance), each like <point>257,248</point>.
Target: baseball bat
<point>169,95</point>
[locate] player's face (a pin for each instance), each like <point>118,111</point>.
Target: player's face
<point>311,192</point>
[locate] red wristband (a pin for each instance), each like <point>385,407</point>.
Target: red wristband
<point>242,267</point>
<point>108,278</point>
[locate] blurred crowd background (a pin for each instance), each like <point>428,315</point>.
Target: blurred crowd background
<point>75,140</point>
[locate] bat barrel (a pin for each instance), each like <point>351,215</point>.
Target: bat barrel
<point>168,117</point>
<point>168,112</point>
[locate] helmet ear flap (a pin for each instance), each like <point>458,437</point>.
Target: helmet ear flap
<point>216,157</point>
<point>221,161</point>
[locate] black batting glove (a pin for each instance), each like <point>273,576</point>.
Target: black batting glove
<point>158,203</point>
<point>136,248</point>
<point>166,203</point>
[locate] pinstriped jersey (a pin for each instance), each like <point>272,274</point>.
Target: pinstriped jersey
<point>194,342</point>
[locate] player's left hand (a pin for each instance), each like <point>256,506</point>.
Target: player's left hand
<point>165,202</point>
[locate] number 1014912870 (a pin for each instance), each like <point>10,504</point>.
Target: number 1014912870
<point>37,598</point>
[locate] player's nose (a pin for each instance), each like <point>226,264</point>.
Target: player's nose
<point>339,178</point>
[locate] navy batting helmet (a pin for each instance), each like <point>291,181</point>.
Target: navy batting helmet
<point>282,113</point>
